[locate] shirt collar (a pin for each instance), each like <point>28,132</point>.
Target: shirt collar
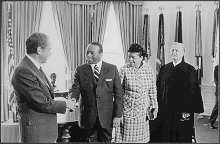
<point>99,65</point>
<point>176,63</point>
<point>34,61</point>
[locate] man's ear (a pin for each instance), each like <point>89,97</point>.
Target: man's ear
<point>39,50</point>
<point>101,54</point>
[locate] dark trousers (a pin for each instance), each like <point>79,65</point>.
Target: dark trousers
<point>214,113</point>
<point>99,134</point>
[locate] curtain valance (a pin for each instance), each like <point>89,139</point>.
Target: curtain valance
<point>95,2</point>
<point>84,2</point>
<point>136,2</point>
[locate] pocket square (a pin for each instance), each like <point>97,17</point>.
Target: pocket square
<point>108,79</point>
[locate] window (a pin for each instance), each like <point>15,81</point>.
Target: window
<point>112,44</point>
<point>56,62</point>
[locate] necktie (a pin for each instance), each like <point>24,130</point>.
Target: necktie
<point>96,72</point>
<point>45,77</point>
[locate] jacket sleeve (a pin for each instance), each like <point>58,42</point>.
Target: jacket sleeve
<point>118,95</point>
<point>153,91</point>
<point>195,90</point>
<point>75,91</point>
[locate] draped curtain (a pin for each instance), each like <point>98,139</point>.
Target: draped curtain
<point>4,63</point>
<point>73,22</point>
<point>129,19</point>
<point>26,17</point>
<point>26,20</point>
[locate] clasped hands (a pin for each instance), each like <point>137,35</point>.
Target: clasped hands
<point>70,103</point>
<point>116,121</point>
<point>185,116</point>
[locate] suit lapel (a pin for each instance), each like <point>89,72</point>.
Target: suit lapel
<point>88,71</point>
<point>38,73</point>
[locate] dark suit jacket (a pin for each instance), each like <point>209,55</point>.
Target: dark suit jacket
<point>102,99</point>
<point>36,105</point>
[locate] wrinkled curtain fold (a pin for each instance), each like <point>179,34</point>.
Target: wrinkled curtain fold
<point>4,63</point>
<point>73,23</point>
<point>26,17</point>
<point>26,20</point>
<point>129,19</point>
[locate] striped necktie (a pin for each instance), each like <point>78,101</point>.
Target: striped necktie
<point>45,77</point>
<point>96,73</point>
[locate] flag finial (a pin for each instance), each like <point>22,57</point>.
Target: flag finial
<point>92,11</point>
<point>145,11</point>
<point>179,7</point>
<point>216,3</point>
<point>198,5</point>
<point>161,9</point>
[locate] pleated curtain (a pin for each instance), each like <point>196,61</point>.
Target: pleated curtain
<point>26,16</point>
<point>73,23</point>
<point>129,18</point>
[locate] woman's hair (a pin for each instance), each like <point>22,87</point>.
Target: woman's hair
<point>136,48</point>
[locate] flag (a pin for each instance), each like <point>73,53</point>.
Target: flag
<point>161,42</point>
<point>10,53</point>
<point>215,42</point>
<point>146,36</point>
<point>178,32</point>
<point>198,47</point>
<point>91,24</point>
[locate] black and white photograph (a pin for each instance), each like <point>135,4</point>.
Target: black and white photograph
<point>110,71</point>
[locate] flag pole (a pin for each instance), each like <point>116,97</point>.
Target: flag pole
<point>10,67</point>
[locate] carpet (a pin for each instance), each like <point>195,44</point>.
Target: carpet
<point>204,134</point>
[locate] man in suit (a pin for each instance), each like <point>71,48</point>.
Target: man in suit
<point>179,97</point>
<point>214,113</point>
<point>99,95</point>
<point>34,94</point>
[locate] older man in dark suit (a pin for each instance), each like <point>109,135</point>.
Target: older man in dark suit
<point>34,94</point>
<point>98,89</point>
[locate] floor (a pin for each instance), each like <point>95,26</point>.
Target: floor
<point>203,133</point>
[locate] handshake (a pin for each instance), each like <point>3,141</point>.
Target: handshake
<point>70,103</point>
